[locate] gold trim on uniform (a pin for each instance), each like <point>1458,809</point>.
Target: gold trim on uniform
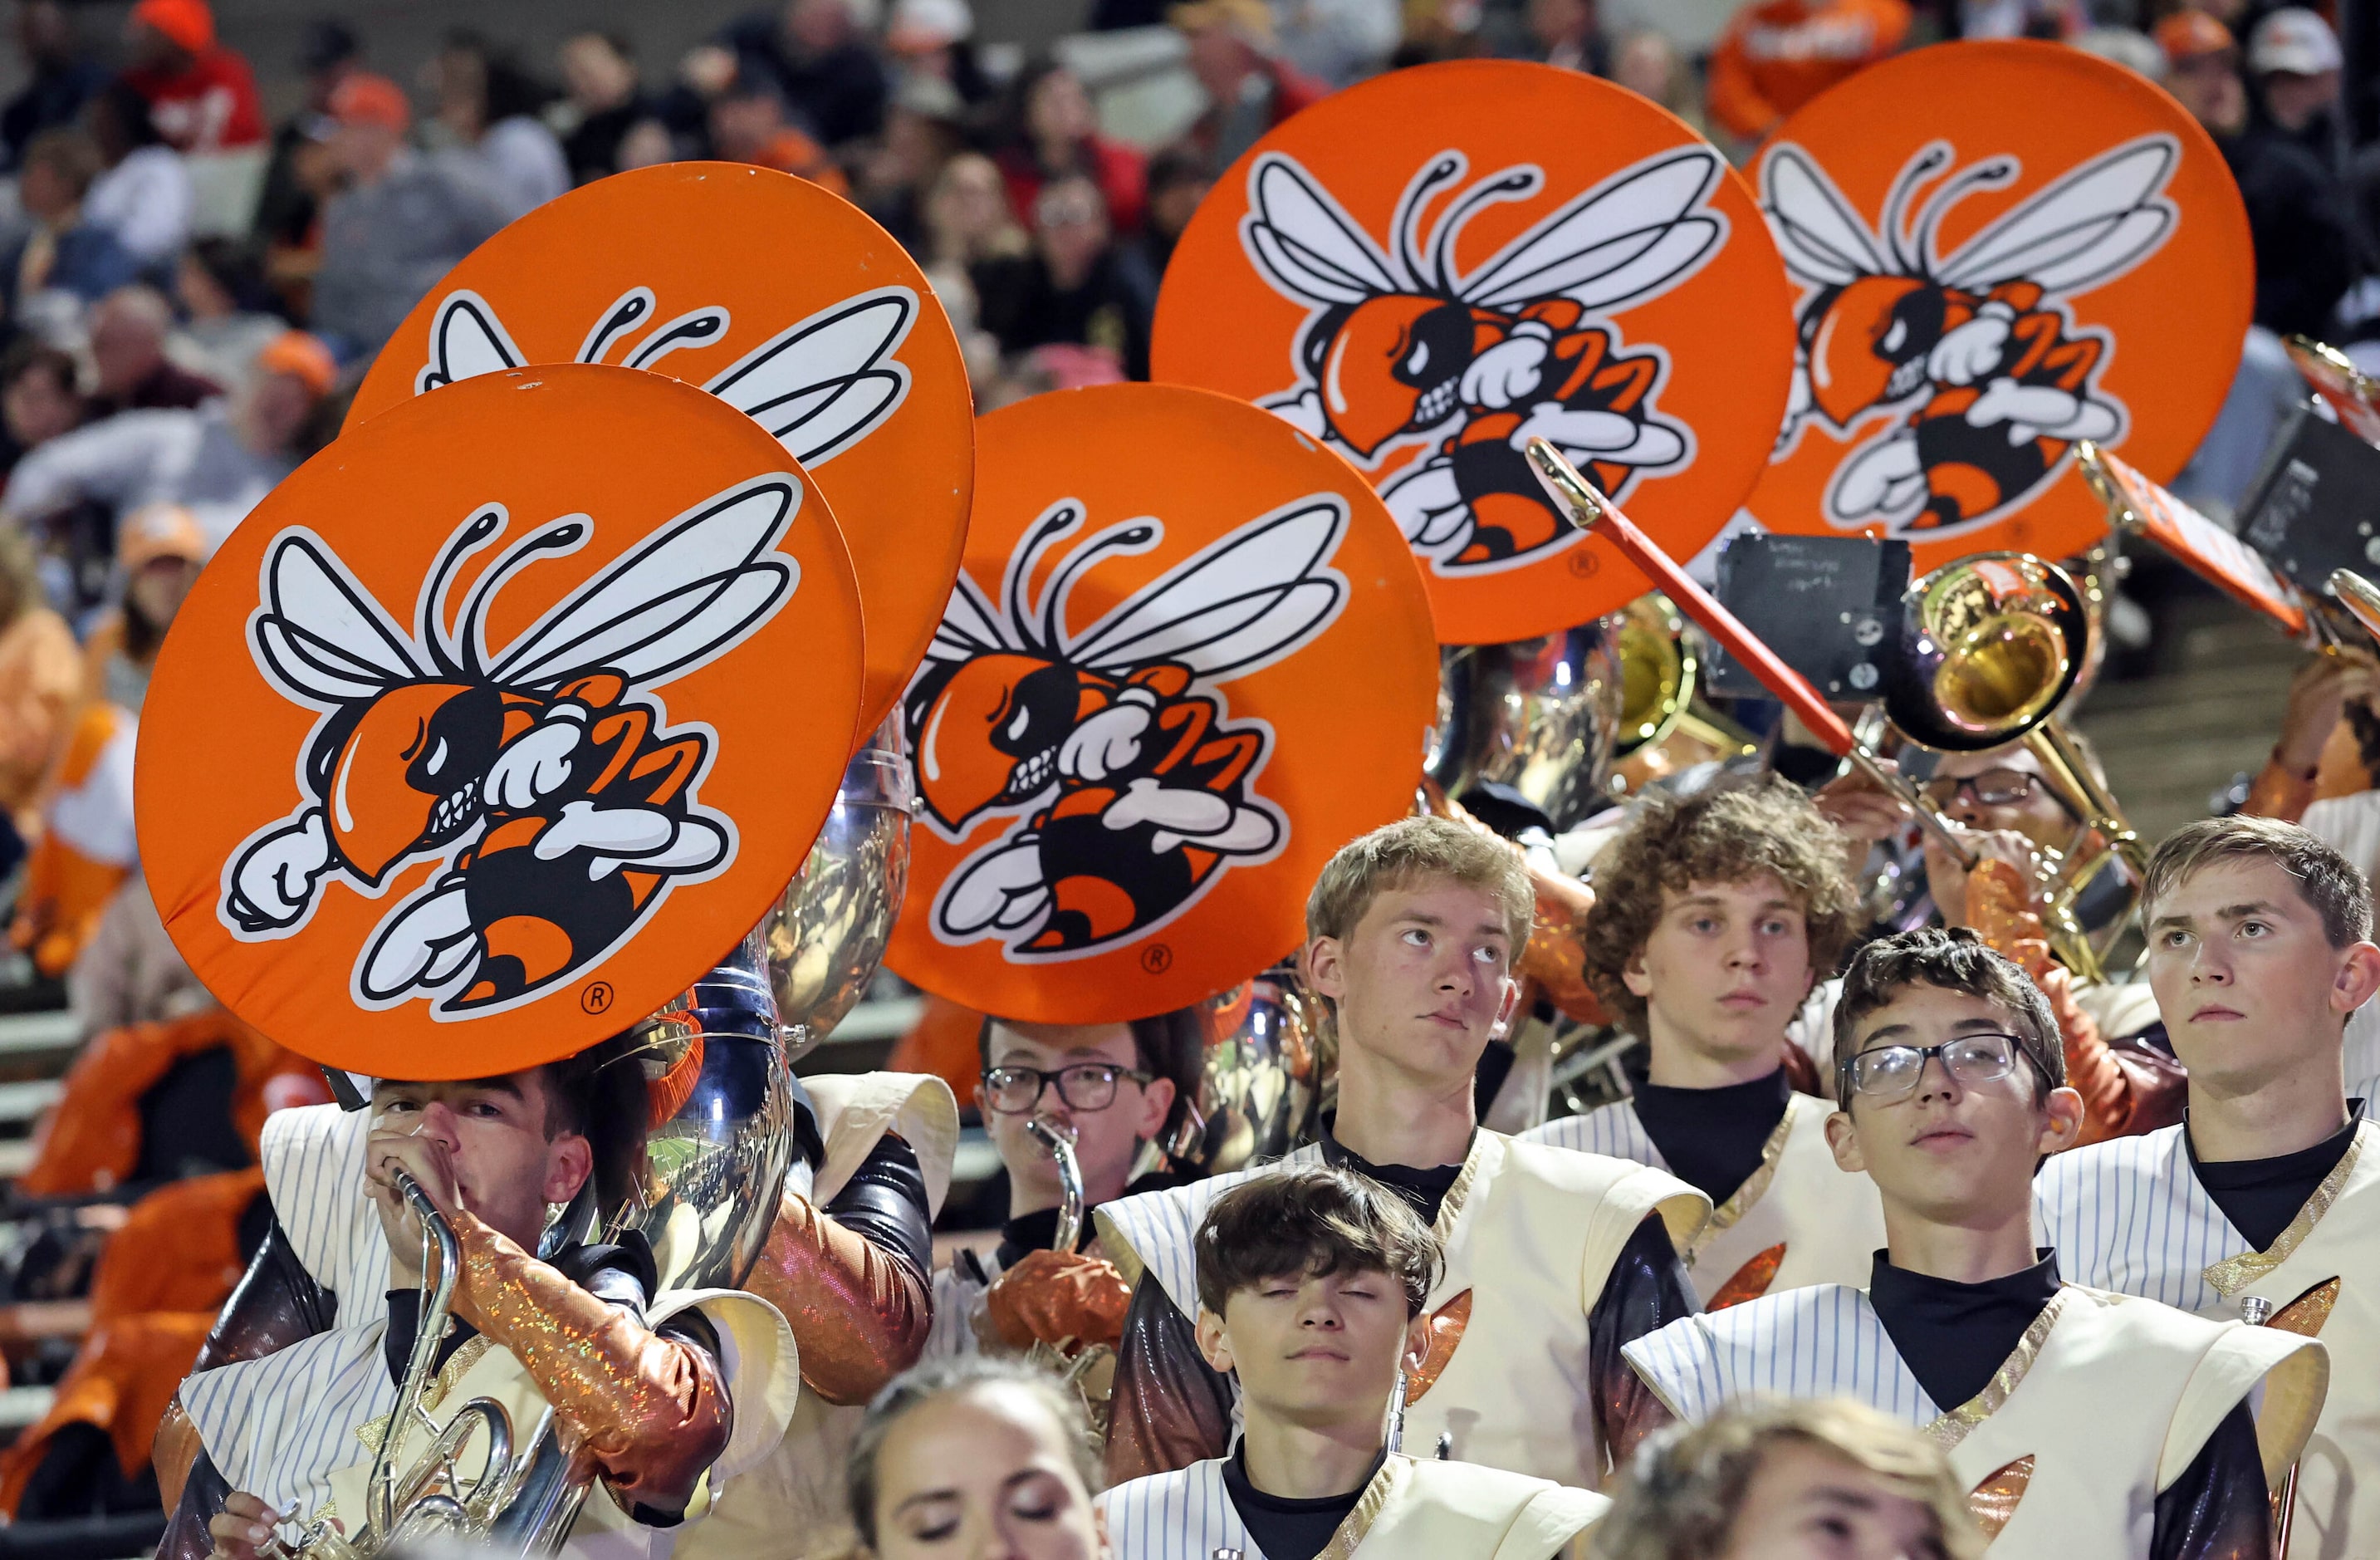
<point>2231,1275</point>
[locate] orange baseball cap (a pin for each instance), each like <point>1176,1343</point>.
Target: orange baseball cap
<point>158,531</point>
<point>2192,35</point>
<point>366,98</point>
<point>189,23</point>
<point>302,356</point>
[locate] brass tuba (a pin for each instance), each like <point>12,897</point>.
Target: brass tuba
<point>826,936</point>
<point>1537,715</point>
<point>1660,678</point>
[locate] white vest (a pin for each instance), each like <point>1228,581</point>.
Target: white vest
<point>791,1504</point>
<point>2104,1402</point>
<point>1530,1234</point>
<point>2131,1215</point>
<point>1411,1510</point>
<point>264,1423</point>
<point>1799,1218</point>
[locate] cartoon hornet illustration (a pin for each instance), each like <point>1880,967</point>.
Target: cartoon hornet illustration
<point>1975,355</point>
<point>546,777</point>
<point>818,386</point>
<point>1401,346</point>
<point>1114,739</point>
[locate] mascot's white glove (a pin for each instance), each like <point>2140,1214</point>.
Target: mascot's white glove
<point>1109,740</point>
<point>273,883</point>
<point>1507,371</point>
<point>1971,351</point>
<point>537,763</point>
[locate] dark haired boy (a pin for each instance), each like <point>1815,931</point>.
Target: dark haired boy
<point>2266,1199</point>
<point>1311,1287</point>
<point>1110,1090</point>
<point>645,1380</point>
<point>2080,1421</point>
<point>1554,1258</point>
<point>1714,916</point>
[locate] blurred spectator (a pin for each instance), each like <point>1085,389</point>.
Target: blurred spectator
<point>1249,88</point>
<point>61,78</point>
<point>2296,59</point>
<point>1649,64</point>
<point>1337,41</point>
<point>1778,54</point>
<point>488,108</point>
<point>201,94</point>
<point>41,679</point>
<point>1177,182</point>
<point>968,220</point>
<point>648,140</point>
<point>401,223</point>
<point>747,125</point>
<point>1070,288</point>
<point>216,462</point>
<point>1570,33</point>
<point>935,38</point>
<point>1054,131</point>
<point>2133,50</point>
<point>598,76</point>
<point>66,253</point>
<point>130,972</point>
<point>288,209</point>
<point>144,197</point>
<point>159,551</point>
<point>127,352</point>
<point>39,396</point>
<point>226,309</point>
<point>921,133</point>
<point>2297,207</point>
<point>2054,20</point>
<point>820,62</point>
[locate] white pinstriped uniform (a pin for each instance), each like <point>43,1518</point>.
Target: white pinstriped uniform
<point>956,1294</point>
<point>2111,1397</point>
<point>1822,1224</point>
<point>1411,1510</point>
<point>2128,1214</point>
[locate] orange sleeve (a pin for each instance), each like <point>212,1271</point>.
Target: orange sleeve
<point>1736,100</point>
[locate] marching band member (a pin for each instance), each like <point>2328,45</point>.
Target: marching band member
<point>1715,916</point>
<point>1110,1089</point>
<point>1555,1258</point>
<point>976,1454</point>
<point>1790,1481</point>
<point>650,1381</point>
<point>2081,1421</point>
<point>2268,1197</point>
<point>1312,1284</point>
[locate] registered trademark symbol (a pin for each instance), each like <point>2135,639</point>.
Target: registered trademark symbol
<point>597,997</point>
<point>1157,958</point>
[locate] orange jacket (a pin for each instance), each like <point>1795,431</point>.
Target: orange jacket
<point>1778,54</point>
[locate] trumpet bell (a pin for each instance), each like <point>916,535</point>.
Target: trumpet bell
<point>1991,646</point>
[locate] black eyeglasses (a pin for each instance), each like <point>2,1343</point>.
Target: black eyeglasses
<point>1084,1086</point>
<point>1891,1072</point>
<point>1993,787</point>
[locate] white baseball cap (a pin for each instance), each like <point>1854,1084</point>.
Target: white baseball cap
<point>2296,40</point>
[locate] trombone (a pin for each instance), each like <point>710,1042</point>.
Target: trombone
<point>1995,643</point>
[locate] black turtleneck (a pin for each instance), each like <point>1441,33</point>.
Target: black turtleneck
<point>2262,1196</point>
<point>1284,1528</point>
<point>1426,1189</point>
<point>1713,1138</point>
<point>1037,1231</point>
<point>1952,1336</point>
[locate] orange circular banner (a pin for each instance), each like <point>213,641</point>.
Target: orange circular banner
<point>2000,248</point>
<point>1437,266</point>
<point>480,736</point>
<point>1188,658</point>
<point>785,301</point>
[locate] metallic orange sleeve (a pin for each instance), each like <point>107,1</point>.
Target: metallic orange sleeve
<point>2000,906</point>
<point>859,1317</point>
<point>653,1411</point>
<point>2280,792</point>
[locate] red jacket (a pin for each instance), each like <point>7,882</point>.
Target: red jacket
<point>208,105</point>
<point>1778,54</point>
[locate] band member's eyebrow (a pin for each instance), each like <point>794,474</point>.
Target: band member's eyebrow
<point>2229,912</point>
<point>505,1084</point>
<point>1836,1495</point>
<point>1889,1032</point>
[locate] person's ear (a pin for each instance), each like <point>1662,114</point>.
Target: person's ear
<point>2062,1121</point>
<point>1509,1005</point>
<point>1634,977</point>
<point>1213,1347</point>
<point>1416,1341</point>
<point>2357,979</point>
<point>1842,1137</point>
<point>569,1160</point>
<point>1326,968</point>
<point>1156,1104</point>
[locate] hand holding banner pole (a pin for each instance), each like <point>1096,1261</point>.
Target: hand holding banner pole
<point>1590,511</point>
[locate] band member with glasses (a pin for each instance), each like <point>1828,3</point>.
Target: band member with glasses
<point>1312,1284</point>
<point>1554,1258</point>
<point>2080,1421</point>
<point>2266,1199</point>
<point>1717,915</point>
<point>1108,1088</point>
